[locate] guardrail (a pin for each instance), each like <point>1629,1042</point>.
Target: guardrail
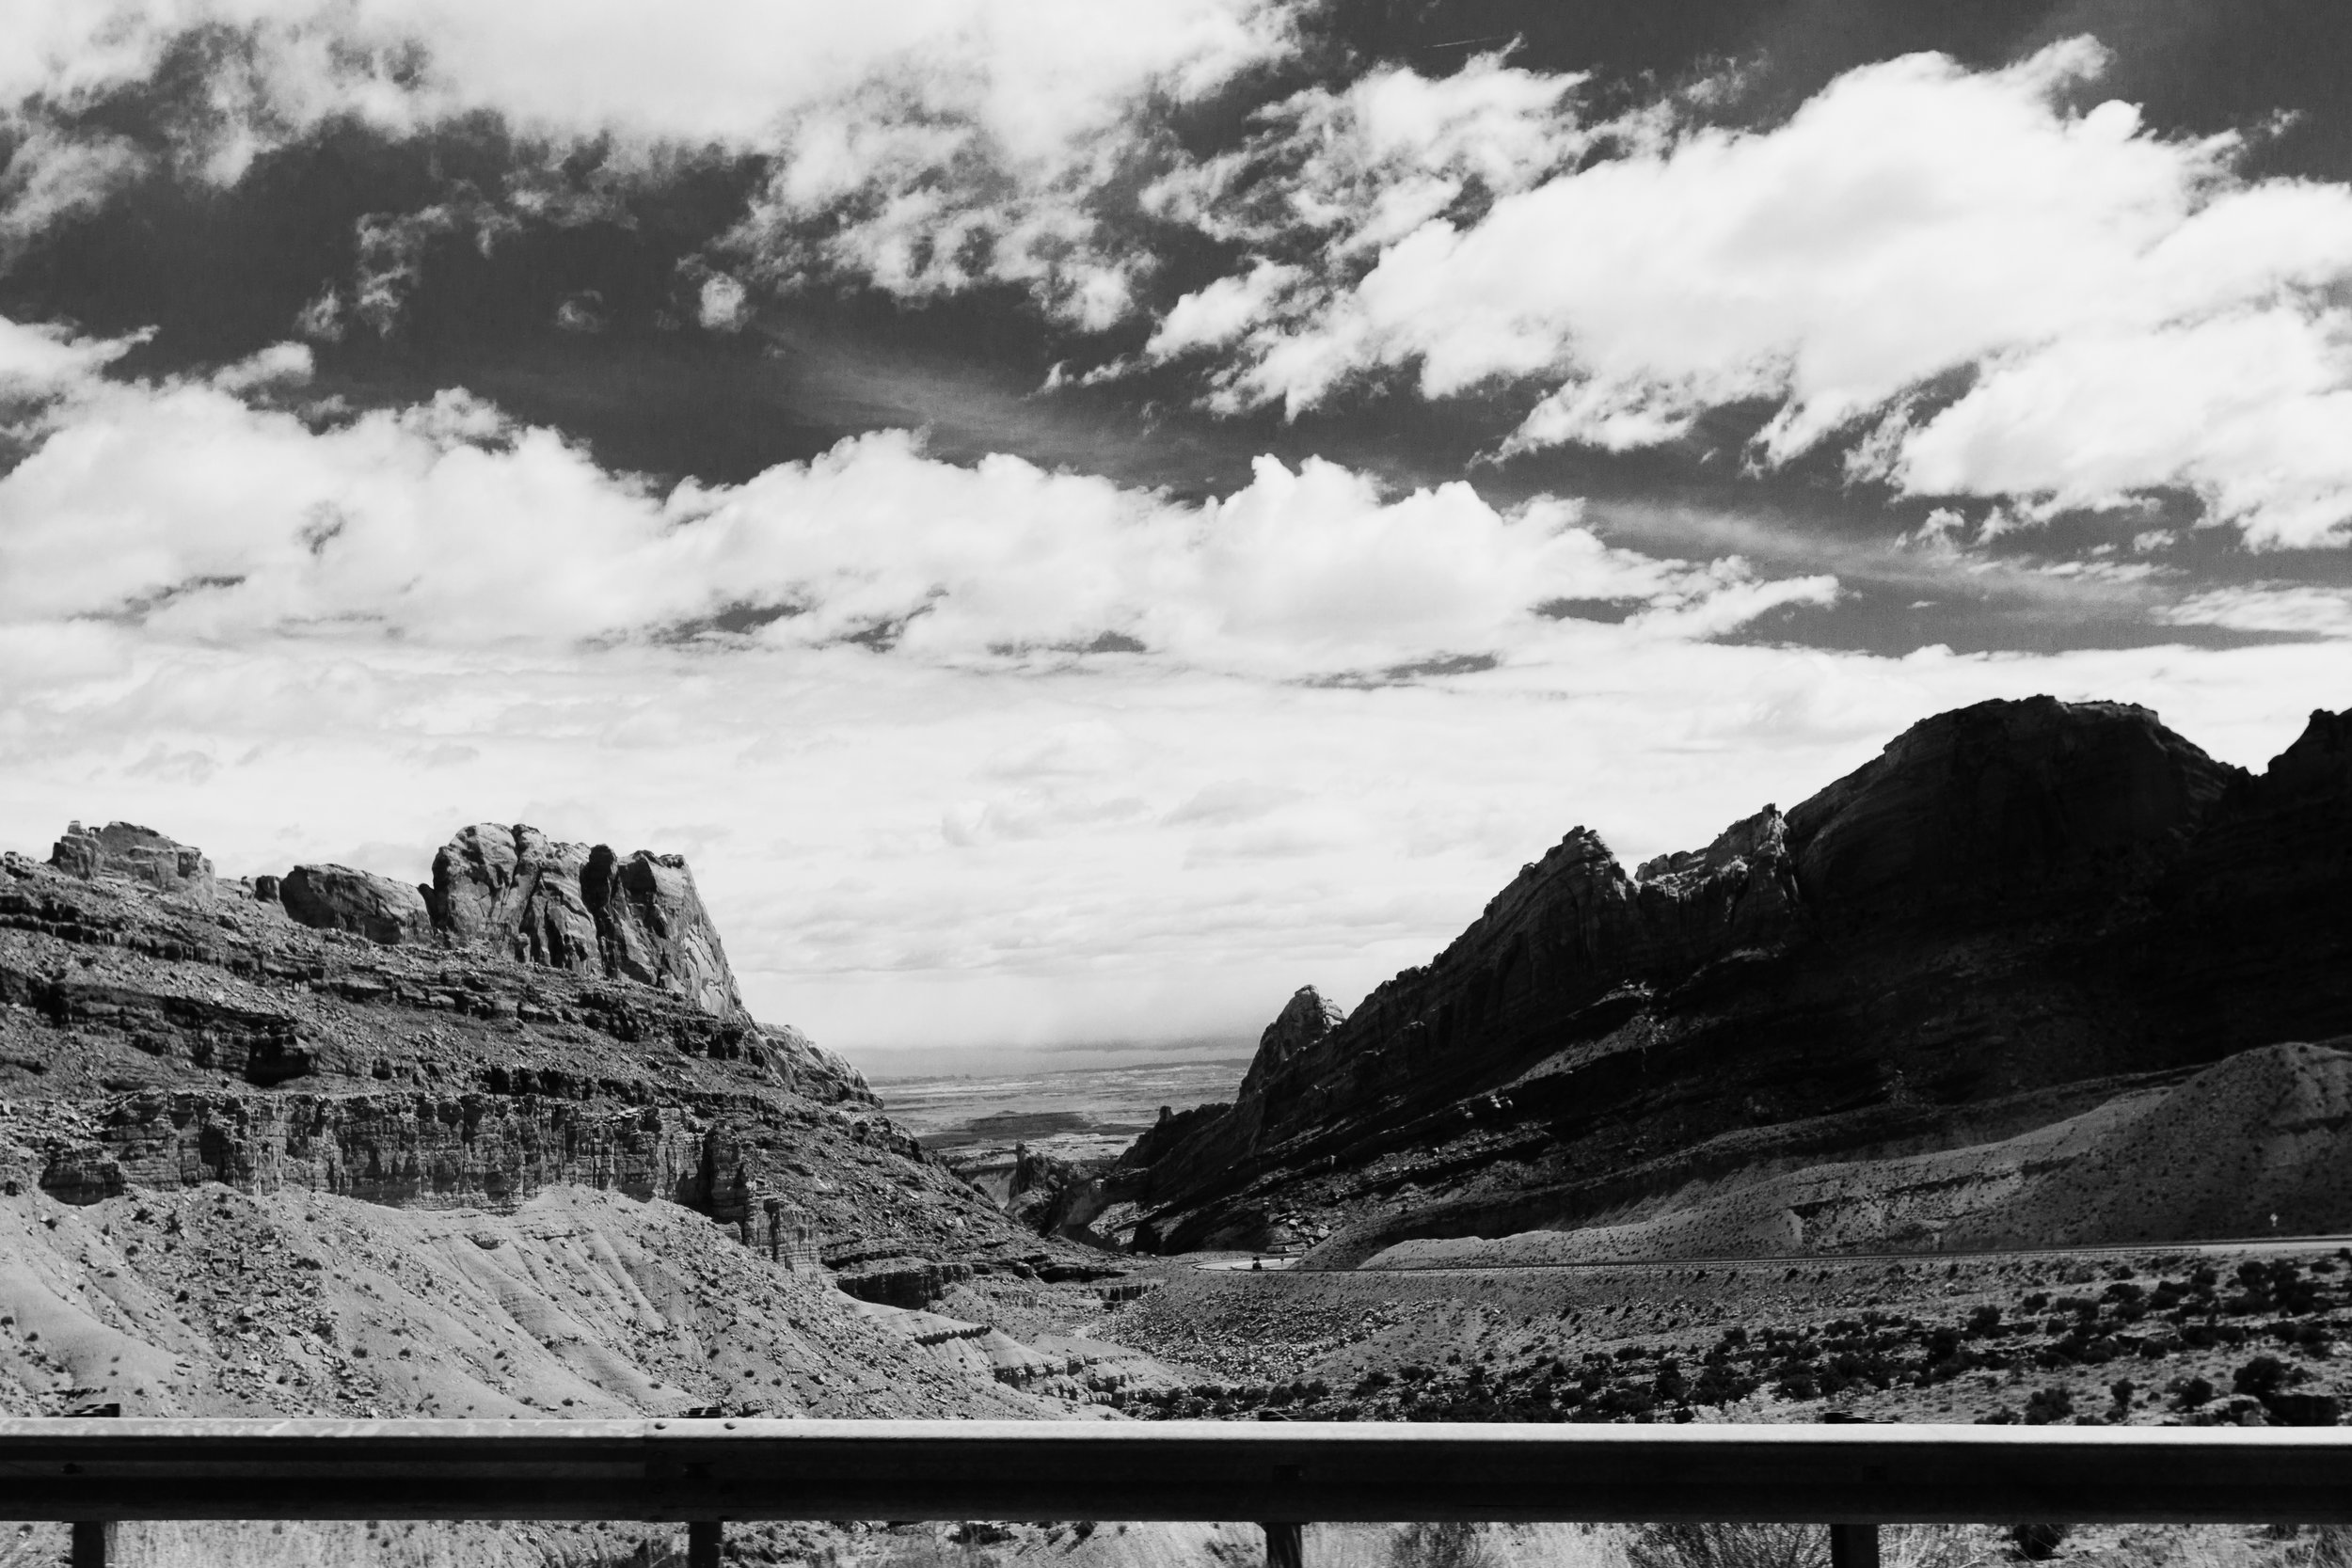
<point>1282,1474</point>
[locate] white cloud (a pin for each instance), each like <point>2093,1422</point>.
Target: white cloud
<point>722,304</point>
<point>1036,72</point>
<point>183,508</point>
<point>38,362</point>
<point>2303,612</point>
<point>1091,904</point>
<point>283,643</point>
<point>2133,314</point>
<point>281,365</point>
<point>923,146</point>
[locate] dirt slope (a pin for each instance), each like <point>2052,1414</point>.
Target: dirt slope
<point>2252,1145</point>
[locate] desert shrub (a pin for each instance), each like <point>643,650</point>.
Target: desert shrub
<point>2264,1375</point>
<point>2304,1410</point>
<point>2036,1542</point>
<point>2045,1406</point>
<point>1729,1546</point>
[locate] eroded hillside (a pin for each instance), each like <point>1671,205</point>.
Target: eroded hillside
<point>508,1143</point>
<point>2016,913</point>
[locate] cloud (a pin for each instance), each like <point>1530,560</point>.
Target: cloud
<point>181,508</point>
<point>37,362</point>
<point>279,366</point>
<point>2304,612</point>
<point>919,148</point>
<point>1092,905</point>
<point>2126,311</point>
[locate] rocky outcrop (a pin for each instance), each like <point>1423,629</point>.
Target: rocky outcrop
<point>411,1149</point>
<point>152,1046</point>
<point>891,1276</point>
<point>337,899</point>
<point>655,930</point>
<point>2011,897</point>
<point>139,854</point>
<point>2001,811</point>
<point>584,908</point>
<point>516,891</point>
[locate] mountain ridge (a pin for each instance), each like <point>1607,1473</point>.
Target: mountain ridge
<point>2011,900</point>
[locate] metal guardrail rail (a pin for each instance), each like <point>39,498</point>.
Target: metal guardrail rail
<point>1282,1474</point>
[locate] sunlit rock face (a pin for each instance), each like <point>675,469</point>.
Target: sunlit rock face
<point>584,908</point>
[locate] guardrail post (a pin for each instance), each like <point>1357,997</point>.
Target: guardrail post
<point>1853,1546</point>
<point>93,1543</point>
<point>1285,1545</point>
<point>701,1542</point>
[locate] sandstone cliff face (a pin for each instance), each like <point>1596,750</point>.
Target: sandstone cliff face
<point>655,930</point>
<point>2011,897</point>
<point>516,892</point>
<point>151,1043</point>
<point>582,909</point>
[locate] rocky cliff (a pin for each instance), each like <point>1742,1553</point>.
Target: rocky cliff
<point>584,908</point>
<point>140,854</point>
<point>545,1016</point>
<point>2016,899</point>
<point>510,890</point>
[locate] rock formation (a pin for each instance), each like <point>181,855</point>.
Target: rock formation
<point>141,854</point>
<point>582,909</point>
<point>337,899</point>
<point>346,1046</point>
<point>2013,898</point>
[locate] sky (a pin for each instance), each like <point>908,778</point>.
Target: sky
<point>1080,519</point>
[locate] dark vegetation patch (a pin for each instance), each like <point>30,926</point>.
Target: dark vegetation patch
<point>2282,1314</point>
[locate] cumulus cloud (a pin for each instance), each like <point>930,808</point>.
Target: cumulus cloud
<point>182,507</point>
<point>921,148</point>
<point>2129,312</point>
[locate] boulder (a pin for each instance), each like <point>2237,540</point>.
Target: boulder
<point>140,854</point>
<point>337,898</point>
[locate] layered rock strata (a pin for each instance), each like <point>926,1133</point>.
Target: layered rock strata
<point>151,1043</point>
<point>2011,899</point>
